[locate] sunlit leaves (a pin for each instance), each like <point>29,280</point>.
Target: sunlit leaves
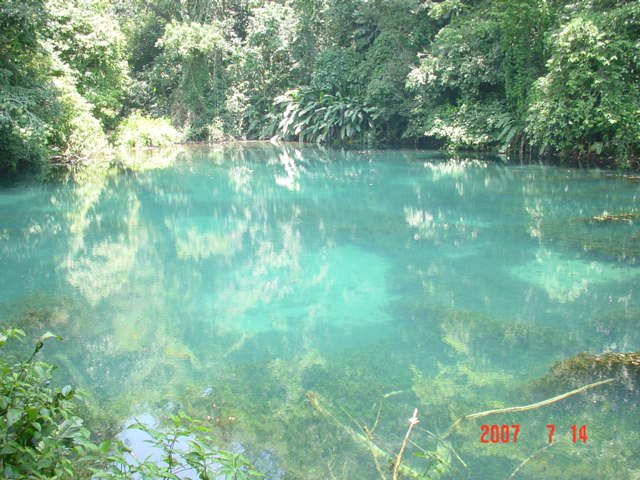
<point>458,83</point>
<point>23,90</point>
<point>463,58</point>
<point>444,9</point>
<point>138,131</point>
<point>39,433</point>
<point>589,100</point>
<point>565,72</point>
<point>309,116</point>
<point>86,37</point>
<point>187,39</point>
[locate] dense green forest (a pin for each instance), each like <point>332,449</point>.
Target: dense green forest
<point>550,77</point>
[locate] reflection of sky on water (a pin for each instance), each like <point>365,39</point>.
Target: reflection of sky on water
<point>141,446</point>
<point>270,270</point>
<point>142,449</point>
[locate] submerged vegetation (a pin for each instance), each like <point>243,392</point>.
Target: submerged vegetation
<point>230,283</point>
<point>522,77</point>
<point>43,433</point>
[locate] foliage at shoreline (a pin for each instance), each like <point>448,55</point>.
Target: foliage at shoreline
<point>521,77</point>
<point>42,435</point>
<point>138,131</point>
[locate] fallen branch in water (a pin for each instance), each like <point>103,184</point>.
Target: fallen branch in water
<point>377,465</point>
<point>371,431</point>
<point>526,460</point>
<point>413,421</point>
<point>370,437</point>
<point>445,444</point>
<point>615,217</point>
<point>361,439</point>
<point>524,408</point>
<point>380,455</point>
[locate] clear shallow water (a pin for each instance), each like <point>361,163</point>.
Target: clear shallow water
<point>232,281</point>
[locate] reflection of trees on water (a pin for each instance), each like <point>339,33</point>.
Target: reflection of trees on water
<point>174,264</point>
<point>562,205</point>
<point>519,204</point>
<point>130,235</point>
<point>101,269</point>
<point>264,271</point>
<point>486,359</point>
<point>575,260</point>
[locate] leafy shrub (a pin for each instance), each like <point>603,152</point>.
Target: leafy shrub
<point>42,109</point>
<point>215,131</point>
<point>323,118</point>
<point>23,127</point>
<point>588,102</point>
<point>77,132</point>
<point>192,38</point>
<point>85,36</point>
<point>445,9</point>
<point>53,118</point>
<point>194,52</point>
<point>139,131</point>
<point>42,437</point>
<point>459,83</point>
<point>463,60</point>
<point>334,71</point>
<point>384,72</point>
<point>263,67</point>
<point>236,106</point>
<point>468,126</point>
<point>25,95</point>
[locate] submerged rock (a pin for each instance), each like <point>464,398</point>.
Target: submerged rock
<point>609,363</point>
<point>606,236</point>
<point>586,366</point>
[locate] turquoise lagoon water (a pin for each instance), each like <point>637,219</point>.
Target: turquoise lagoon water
<point>231,281</point>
